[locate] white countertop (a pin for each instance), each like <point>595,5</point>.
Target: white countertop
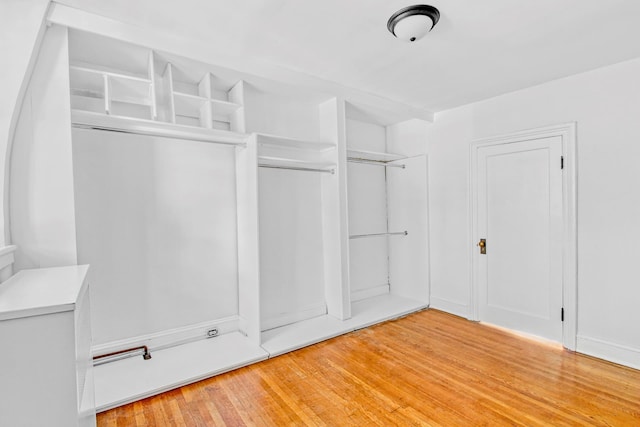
<point>41,291</point>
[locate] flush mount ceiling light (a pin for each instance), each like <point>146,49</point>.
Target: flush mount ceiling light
<point>413,22</point>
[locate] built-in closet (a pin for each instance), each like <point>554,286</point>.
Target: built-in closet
<point>387,199</point>
<point>226,218</point>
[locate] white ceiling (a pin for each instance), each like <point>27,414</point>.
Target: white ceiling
<point>479,49</point>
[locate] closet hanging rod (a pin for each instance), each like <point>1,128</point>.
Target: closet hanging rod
<point>374,162</point>
<point>395,233</point>
<point>296,168</point>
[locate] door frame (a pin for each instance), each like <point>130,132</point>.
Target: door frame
<point>567,133</point>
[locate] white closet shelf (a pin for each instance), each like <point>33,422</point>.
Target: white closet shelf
<point>298,144</point>
<point>132,99</point>
<point>87,93</point>
<point>100,121</point>
<point>224,108</point>
<point>374,156</point>
<point>190,98</point>
<point>294,163</point>
<point>188,105</point>
<point>99,69</point>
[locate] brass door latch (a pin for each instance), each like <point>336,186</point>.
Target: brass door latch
<point>483,246</point>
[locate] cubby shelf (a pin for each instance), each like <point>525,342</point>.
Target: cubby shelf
<point>107,71</point>
<point>102,89</point>
<point>202,103</point>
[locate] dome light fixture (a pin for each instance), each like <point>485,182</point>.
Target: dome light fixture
<point>413,22</point>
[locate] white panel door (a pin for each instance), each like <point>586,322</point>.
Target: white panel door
<point>520,216</point>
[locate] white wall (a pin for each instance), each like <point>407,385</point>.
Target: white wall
<point>291,247</point>
<point>156,221</point>
<point>367,202</point>
<point>282,115</point>
<point>41,176</point>
<point>21,25</point>
<point>605,103</point>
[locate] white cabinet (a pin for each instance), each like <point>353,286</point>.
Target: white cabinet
<point>46,376</point>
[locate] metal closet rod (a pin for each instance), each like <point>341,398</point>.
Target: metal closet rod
<point>394,233</point>
<point>296,168</point>
<point>374,162</point>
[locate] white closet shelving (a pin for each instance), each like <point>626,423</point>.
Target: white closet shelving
<point>208,102</point>
<point>382,187</point>
<point>373,156</point>
<point>330,217</point>
<point>108,82</point>
<point>294,154</point>
<point>376,158</point>
<point>293,175</point>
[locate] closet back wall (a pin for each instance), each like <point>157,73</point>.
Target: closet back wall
<point>156,220</point>
<point>368,257</point>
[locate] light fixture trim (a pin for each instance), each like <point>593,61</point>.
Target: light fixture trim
<point>418,9</point>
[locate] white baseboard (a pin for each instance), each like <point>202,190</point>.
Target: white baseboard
<point>612,352</point>
<point>456,308</point>
<point>374,291</point>
<point>287,318</point>
<point>171,337</point>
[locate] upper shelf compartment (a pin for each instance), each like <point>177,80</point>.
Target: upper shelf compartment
<point>111,77</point>
<point>116,78</point>
<point>207,102</point>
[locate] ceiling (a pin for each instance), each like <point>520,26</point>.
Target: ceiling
<point>478,50</point>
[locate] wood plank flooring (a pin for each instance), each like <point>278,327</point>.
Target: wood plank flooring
<point>429,368</point>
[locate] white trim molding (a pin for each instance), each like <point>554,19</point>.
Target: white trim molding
<point>567,132</point>
<point>456,308</point>
<point>616,353</point>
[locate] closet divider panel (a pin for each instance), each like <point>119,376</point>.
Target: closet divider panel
<point>335,216</point>
<point>156,219</point>
<point>248,240</point>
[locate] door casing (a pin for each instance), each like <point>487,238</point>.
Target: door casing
<point>567,133</point>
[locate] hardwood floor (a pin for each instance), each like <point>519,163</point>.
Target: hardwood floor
<point>429,368</point>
